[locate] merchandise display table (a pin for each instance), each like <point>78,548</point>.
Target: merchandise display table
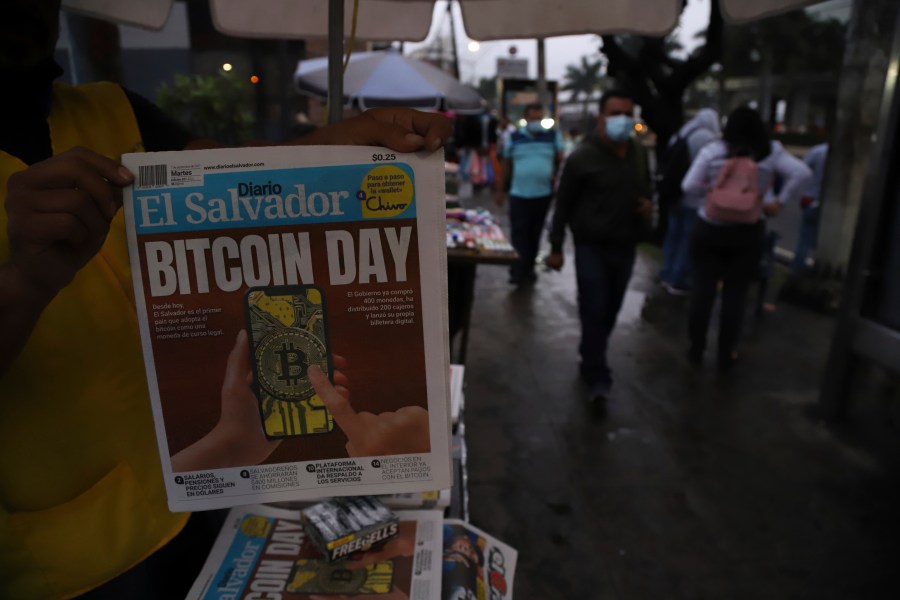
<point>473,238</point>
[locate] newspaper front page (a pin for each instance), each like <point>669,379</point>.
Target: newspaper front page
<point>292,309</point>
<point>264,552</point>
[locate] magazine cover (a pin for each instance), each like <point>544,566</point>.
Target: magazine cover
<point>264,552</point>
<point>476,566</point>
<point>292,308</point>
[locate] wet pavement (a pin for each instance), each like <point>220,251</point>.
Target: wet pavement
<point>693,484</point>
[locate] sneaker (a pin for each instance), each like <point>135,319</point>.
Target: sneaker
<point>675,291</point>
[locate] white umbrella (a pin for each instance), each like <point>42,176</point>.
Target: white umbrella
<point>390,79</point>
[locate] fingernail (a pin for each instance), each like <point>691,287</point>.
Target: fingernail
<point>436,144</point>
<point>416,139</point>
<point>125,174</point>
<point>314,368</point>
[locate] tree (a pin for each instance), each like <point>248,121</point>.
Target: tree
<point>794,43</point>
<point>802,44</point>
<point>213,106</point>
<point>583,79</point>
<point>657,79</point>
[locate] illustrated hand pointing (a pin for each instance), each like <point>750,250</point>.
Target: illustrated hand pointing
<point>404,431</point>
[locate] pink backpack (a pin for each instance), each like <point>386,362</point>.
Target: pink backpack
<point>736,197</point>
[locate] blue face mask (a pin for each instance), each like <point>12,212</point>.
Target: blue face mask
<point>619,128</point>
<point>534,127</point>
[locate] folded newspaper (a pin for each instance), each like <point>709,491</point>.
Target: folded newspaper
<point>264,552</point>
<point>292,309</point>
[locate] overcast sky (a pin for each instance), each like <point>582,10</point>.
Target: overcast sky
<point>560,51</point>
<point>563,51</point>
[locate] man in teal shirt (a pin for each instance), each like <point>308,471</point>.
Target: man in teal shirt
<point>531,156</point>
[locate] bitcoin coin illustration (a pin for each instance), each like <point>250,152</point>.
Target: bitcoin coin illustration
<point>315,576</point>
<point>282,359</point>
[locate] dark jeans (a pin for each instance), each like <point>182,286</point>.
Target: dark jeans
<point>730,254</point>
<point>676,269</point>
<point>809,233</point>
<point>526,220</point>
<point>602,272</point>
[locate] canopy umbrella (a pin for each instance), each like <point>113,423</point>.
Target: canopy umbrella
<point>390,79</point>
<point>410,20</point>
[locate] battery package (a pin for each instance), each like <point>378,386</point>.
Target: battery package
<point>341,527</point>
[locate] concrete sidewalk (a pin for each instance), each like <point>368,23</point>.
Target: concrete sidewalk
<point>694,484</point>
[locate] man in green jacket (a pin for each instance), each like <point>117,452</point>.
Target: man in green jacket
<point>603,197</point>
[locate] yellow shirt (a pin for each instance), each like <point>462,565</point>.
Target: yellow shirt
<point>81,490</point>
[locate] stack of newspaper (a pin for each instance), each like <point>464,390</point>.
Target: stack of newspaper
<point>264,552</point>
<point>292,305</point>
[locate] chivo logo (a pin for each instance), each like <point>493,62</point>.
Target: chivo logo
<point>385,191</point>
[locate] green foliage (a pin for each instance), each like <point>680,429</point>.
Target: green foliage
<point>214,106</point>
<point>583,79</point>
<point>792,43</point>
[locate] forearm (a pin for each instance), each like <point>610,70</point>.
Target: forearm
<point>564,200</point>
<point>558,230</point>
<point>21,305</point>
<point>797,177</point>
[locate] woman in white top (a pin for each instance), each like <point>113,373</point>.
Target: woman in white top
<point>726,251</point>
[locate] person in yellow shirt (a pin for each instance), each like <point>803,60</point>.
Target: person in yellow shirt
<point>82,500</point>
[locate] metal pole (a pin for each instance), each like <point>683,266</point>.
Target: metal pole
<point>453,39</point>
<point>335,60</point>
<point>542,75</point>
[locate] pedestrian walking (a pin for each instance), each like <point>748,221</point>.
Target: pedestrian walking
<point>727,243</point>
<point>531,156</point>
<point>811,203</point>
<point>675,276</point>
<point>604,199</point>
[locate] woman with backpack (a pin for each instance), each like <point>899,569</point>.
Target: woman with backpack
<point>735,174</point>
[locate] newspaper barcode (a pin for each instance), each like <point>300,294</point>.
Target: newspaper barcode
<point>152,176</point>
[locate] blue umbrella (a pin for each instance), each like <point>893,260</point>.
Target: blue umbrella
<point>390,79</point>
